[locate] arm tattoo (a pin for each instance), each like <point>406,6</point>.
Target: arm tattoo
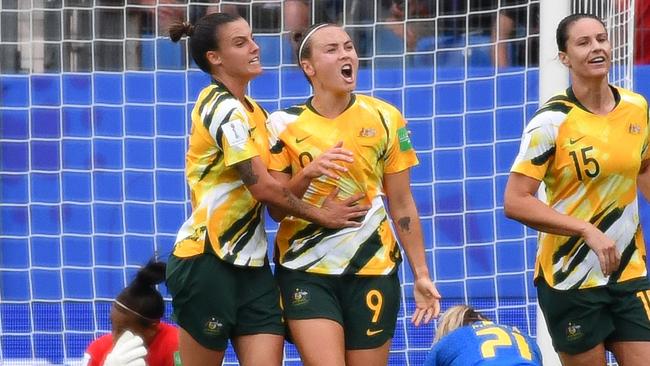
<point>245,169</point>
<point>404,223</point>
<point>297,206</point>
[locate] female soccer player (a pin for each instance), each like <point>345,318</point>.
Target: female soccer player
<point>219,277</point>
<point>465,337</point>
<point>339,287</point>
<point>589,145</point>
<point>136,325</point>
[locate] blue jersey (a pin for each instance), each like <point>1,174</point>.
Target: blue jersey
<point>486,344</point>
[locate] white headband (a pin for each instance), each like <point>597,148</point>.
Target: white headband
<point>304,40</point>
<point>135,312</point>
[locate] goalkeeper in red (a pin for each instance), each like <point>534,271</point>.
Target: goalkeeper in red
<point>589,145</point>
<point>339,287</point>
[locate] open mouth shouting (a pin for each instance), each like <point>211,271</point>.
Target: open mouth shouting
<point>346,72</point>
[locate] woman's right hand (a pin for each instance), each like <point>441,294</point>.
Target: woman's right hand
<point>604,247</point>
<point>336,214</point>
<point>325,163</point>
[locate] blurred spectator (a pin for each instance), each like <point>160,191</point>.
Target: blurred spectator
<point>391,38</point>
<point>295,19</point>
<point>485,26</point>
<point>642,34</point>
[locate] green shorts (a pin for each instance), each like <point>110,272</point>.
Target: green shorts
<point>580,319</point>
<point>214,300</point>
<point>365,306</point>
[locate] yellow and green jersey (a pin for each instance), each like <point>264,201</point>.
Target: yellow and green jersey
<point>376,133</point>
<point>224,132</point>
<point>589,164</point>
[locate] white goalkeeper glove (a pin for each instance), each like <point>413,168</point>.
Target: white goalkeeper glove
<point>128,351</point>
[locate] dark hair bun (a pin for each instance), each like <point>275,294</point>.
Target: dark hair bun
<point>150,275</point>
<point>180,28</point>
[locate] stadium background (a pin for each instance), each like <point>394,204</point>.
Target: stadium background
<point>92,158</point>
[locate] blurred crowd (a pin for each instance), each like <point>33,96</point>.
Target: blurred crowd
<point>86,35</point>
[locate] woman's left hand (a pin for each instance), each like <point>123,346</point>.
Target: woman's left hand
<point>427,301</point>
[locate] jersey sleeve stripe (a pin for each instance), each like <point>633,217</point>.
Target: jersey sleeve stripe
<point>217,131</point>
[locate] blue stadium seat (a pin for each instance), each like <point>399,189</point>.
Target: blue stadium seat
<point>14,254</point>
<point>108,121</point>
<point>138,249</point>
<point>480,95</point>
<point>77,251</point>
<point>139,87</point>
<point>107,154</point>
<point>139,120</point>
<point>46,251</point>
<point>46,123</point>
<point>108,88</point>
<point>49,347</point>
<point>507,228</point>
<point>77,122</point>
<point>170,153</point>
<point>14,91</point>
<point>107,186</point>
<point>269,49</point>
<point>449,264</point>
<point>423,172</point>
<point>13,221</point>
<point>45,155</point>
<point>170,120</point>
<point>479,161</point>
<point>478,194</point>
<point>76,187</point>
<point>13,157</point>
<point>294,83</point>
<point>43,319</point>
<point>479,227</point>
<point>108,282</point>
<point>139,186</point>
<point>510,123</point>
<point>139,218</point>
<point>108,218</point>
<point>196,80</point>
<point>449,197</point>
<point>448,99</point>
<point>15,287</point>
<point>170,217</point>
<point>448,132</point>
<point>46,284</point>
<point>479,127</point>
<point>77,219</point>
<point>510,256</point>
<point>77,285</point>
<point>46,90</point>
<point>169,55</point>
<point>15,124</point>
<point>13,188</point>
<point>45,219</point>
<point>449,231</point>
<point>170,186</point>
<point>480,260</point>
<point>418,102</point>
<point>77,89</point>
<point>421,134</point>
<point>170,86</point>
<point>265,86</point>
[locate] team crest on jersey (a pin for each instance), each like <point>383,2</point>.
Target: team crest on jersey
<point>573,331</point>
<point>634,129</point>
<point>213,326</point>
<point>367,132</point>
<point>300,297</point>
